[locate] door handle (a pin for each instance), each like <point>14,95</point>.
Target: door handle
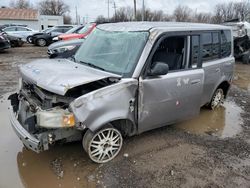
<point>195,81</point>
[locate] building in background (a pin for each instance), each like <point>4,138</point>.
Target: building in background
<point>29,17</point>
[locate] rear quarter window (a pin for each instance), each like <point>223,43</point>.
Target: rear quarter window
<point>226,43</point>
<point>207,51</point>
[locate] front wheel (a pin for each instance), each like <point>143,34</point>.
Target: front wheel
<point>103,145</point>
<point>41,42</point>
<point>217,99</point>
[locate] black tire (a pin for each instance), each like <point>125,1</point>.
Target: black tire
<point>217,99</point>
<point>245,58</point>
<point>41,42</point>
<point>29,39</point>
<point>103,145</point>
<point>20,43</point>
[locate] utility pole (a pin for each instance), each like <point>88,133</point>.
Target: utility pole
<point>108,10</point>
<point>135,10</point>
<point>143,10</point>
<point>115,9</point>
<point>76,17</point>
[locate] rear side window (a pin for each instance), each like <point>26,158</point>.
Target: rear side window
<point>211,46</point>
<point>225,43</point>
<point>10,29</point>
<point>195,48</point>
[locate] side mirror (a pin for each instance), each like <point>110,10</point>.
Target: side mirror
<point>158,69</point>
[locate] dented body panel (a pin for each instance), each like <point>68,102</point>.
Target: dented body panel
<point>102,106</point>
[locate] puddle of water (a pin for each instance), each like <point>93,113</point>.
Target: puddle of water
<point>242,76</point>
<point>223,122</point>
<point>23,168</point>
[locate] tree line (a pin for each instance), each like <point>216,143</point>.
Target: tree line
<point>221,13</point>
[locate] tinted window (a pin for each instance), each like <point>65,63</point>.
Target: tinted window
<point>207,46</point>
<point>58,30</point>
<point>225,43</point>
<point>21,29</point>
<point>10,29</point>
<point>195,46</point>
<point>216,45</point>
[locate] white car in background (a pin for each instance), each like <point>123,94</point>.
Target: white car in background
<point>22,32</point>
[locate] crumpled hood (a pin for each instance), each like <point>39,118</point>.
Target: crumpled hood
<point>60,75</point>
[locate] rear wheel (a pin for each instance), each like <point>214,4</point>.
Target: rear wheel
<point>41,42</point>
<point>103,145</point>
<point>217,99</point>
<point>29,39</point>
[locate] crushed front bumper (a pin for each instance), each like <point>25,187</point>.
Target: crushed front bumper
<point>28,140</point>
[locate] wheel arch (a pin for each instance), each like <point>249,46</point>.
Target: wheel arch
<point>126,126</point>
<point>224,85</point>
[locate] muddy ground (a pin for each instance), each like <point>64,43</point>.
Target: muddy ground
<point>212,150</point>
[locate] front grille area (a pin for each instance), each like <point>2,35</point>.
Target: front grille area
<point>38,97</point>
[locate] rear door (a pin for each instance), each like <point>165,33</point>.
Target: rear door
<point>172,97</point>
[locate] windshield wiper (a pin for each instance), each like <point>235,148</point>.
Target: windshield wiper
<point>92,65</point>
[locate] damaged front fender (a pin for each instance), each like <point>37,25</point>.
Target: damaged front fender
<point>114,102</point>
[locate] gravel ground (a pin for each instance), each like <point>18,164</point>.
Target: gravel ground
<point>172,156</point>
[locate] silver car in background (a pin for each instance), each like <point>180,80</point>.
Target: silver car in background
<point>22,32</point>
<point>126,78</point>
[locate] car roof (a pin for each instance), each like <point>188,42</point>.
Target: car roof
<point>17,26</point>
<point>168,26</point>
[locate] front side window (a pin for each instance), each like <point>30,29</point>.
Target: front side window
<point>115,52</point>
<point>171,52</point>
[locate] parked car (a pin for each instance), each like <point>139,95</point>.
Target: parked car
<point>64,49</point>
<point>83,33</point>
<point>45,38</point>
<point>75,29</point>
<point>15,40</point>
<point>4,42</point>
<point>13,24</point>
<point>127,78</point>
<point>23,32</point>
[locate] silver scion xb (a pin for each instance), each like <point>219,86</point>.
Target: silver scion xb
<point>126,78</point>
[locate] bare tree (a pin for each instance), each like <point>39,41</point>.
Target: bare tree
<point>22,4</point>
<point>182,14</point>
<point>231,10</point>
<point>53,7</point>
<point>101,19</point>
<point>202,17</point>
<point>67,19</point>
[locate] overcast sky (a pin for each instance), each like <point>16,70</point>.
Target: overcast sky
<point>93,8</point>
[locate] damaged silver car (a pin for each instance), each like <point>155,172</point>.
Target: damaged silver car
<point>126,78</point>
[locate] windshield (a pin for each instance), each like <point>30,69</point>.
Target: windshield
<point>48,30</point>
<point>116,52</point>
<point>74,29</point>
<point>85,28</point>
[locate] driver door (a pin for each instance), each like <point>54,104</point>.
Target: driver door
<point>166,99</point>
